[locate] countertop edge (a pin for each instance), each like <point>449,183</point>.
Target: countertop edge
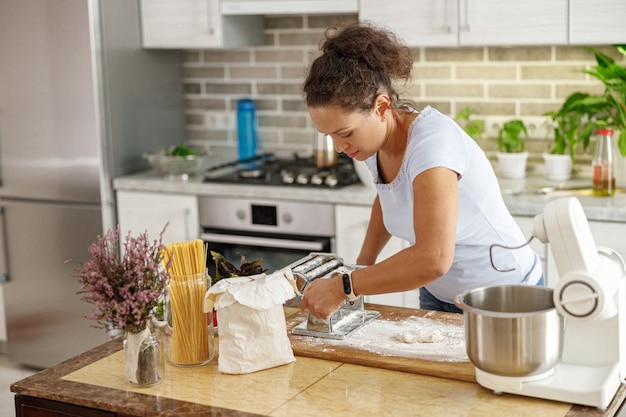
<point>516,195</point>
<point>125,402</point>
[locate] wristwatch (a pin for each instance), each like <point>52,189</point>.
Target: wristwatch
<point>347,288</point>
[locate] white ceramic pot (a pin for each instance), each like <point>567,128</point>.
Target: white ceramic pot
<point>558,167</point>
<point>512,165</point>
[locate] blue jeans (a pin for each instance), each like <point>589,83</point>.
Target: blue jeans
<point>430,302</point>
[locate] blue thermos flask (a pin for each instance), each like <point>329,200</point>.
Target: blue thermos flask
<point>246,128</point>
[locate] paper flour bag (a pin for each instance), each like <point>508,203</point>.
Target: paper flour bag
<point>252,326</point>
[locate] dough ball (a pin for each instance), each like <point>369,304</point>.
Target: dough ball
<point>407,337</point>
<point>421,336</point>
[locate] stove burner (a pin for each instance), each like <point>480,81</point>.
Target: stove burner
<point>251,173</point>
<point>268,170</point>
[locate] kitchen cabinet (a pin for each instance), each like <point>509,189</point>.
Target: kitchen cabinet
<point>596,23</point>
<point>39,407</point>
<point>196,24</point>
<point>351,225</point>
<point>140,212</point>
<point>287,7</point>
<point>471,22</point>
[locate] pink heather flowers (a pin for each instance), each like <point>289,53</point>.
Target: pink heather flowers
<point>124,288</point>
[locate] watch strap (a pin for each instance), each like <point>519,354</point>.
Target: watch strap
<point>347,287</point>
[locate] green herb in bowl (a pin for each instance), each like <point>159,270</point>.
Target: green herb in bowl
<point>182,150</point>
<point>179,162</point>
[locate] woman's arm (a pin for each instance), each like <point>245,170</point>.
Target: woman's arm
<point>376,237</point>
<point>435,217</point>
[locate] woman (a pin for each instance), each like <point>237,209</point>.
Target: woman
<point>435,187</point>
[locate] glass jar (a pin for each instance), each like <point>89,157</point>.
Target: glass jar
<point>190,340</point>
<point>602,165</point>
<point>143,362</point>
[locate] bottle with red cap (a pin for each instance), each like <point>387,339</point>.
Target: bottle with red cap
<point>603,168</point>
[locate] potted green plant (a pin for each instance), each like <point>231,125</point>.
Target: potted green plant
<point>573,124</point>
<point>474,127</point>
<point>581,114</point>
<point>569,125</point>
<point>512,155</point>
<point>613,76</point>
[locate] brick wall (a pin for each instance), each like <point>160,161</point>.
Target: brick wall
<point>499,83</point>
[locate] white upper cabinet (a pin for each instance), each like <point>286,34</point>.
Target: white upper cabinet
<point>285,7</point>
<point>471,22</point>
<point>196,24</point>
<point>512,22</point>
<point>503,22</point>
<point>596,23</point>
<point>417,22</point>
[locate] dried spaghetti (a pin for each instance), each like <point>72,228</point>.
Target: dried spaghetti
<point>189,343</point>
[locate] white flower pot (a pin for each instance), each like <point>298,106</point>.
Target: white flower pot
<point>512,165</point>
<point>558,167</point>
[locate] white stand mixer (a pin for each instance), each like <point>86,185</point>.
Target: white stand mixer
<point>591,296</point>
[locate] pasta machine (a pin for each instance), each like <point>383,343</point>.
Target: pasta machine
<point>348,318</point>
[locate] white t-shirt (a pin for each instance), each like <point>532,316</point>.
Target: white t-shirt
<point>435,140</point>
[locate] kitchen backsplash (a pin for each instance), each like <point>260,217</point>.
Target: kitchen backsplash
<point>499,83</point>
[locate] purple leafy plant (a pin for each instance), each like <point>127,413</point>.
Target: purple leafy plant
<point>126,286</point>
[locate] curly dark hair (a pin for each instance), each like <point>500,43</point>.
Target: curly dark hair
<point>358,62</point>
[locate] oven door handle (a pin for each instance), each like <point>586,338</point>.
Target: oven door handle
<point>263,241</point>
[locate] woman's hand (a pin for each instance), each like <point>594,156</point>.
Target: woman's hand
<point>323,296</point>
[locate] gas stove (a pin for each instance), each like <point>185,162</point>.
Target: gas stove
<point>268,169</point>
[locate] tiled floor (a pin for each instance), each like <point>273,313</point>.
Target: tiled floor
<point>10,372</point>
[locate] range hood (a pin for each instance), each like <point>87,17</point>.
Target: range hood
<point>286,7</point>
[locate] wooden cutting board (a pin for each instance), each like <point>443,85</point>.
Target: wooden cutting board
<point>328,349</point>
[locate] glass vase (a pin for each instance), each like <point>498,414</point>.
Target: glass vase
<point>190,339</point>
<point>143,361</point>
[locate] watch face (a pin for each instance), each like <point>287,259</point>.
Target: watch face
<point>347,288</point>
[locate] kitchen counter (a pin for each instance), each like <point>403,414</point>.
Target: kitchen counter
<point>307,387</point>
<point>356,194</point>
<point>520,196</point>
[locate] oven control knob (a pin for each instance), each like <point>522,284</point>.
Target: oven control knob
<point>317,179</point>
<point>288,177</point>
<point>331,180</point>
<point>287,218</point>
<point>241,214</point>
<point>302,179</point>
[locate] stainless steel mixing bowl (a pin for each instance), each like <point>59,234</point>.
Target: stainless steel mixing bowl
<point>512,330</point>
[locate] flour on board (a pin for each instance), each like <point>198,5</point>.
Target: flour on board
<point>421,335</point>
<point>414,337</point>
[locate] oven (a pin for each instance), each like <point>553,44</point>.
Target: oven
<point>277,232</point>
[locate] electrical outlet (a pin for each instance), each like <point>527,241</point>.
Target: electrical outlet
<point>220,120</point>
<point>538,126</point>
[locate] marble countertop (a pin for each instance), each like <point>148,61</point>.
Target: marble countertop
<point>520,196</point>
<point>306,387</point>
<point>356,194</point>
